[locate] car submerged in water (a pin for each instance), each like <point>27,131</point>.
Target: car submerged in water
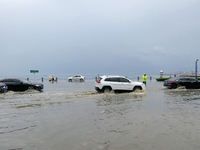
<point>188,82</point>
<point>3,88</point>
<point>118,84</point>
<point>21,85</point>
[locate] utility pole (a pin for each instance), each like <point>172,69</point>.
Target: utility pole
<point>196,68</point>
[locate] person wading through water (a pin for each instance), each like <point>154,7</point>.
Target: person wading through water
<point>144,78</point>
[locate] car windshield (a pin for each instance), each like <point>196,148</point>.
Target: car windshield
<point>172,79</point>
<point>25,81</point>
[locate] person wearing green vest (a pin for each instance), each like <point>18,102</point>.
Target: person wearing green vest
<point>144,78</point>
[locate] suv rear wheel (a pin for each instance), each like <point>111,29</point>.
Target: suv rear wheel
<point>178,86</point>
<point>106,89</point>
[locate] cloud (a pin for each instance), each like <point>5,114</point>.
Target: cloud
<point>158,49</point>
<point>109,34</point>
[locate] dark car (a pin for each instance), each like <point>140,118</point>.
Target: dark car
<point>188,82</point>
<point>3,88</point>
<point>21,85</point>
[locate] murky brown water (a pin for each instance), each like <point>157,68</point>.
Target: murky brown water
<point>72,116</point>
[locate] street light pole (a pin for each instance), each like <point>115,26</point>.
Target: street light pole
<point>196,68</point>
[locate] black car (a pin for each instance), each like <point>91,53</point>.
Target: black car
<point>3,88</point>
<point>21,85</point>
<point>188,82</point>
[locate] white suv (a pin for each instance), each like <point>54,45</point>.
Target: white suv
<point>117,83</point>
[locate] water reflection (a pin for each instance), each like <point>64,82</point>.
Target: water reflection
<point>182,100</point>
<point>64,113</point>
<point>116,111</point>
<point>181,95</point>
<point>117,99</point>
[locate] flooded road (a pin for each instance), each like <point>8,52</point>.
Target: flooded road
<point>73,116</point>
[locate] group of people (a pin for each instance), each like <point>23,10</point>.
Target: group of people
<point>144,78</point>
<point>51,78</point>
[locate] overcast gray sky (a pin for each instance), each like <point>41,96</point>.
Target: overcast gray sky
<point>99,36</point>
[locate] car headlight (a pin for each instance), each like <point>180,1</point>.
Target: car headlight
<point>4,87</point>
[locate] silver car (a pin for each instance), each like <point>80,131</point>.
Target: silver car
<point>76,78</point>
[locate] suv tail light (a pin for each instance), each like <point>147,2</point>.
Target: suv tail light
<point>170,82</point>
<point>98,82</point>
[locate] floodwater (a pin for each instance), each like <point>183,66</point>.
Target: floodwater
<point>73,116</point>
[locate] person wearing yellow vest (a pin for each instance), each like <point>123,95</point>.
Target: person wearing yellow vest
<point>52,78</point>
<point>144,78</point>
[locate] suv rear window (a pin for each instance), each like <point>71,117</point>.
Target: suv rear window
<point>112,79</point>
<point>99,78</point>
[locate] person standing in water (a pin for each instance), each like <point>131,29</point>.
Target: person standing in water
<point>144,78</point>
<point>51,78</point>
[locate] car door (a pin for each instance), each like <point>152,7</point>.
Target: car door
<point>182,82</point>
<point>76,78</point>
<point>114,82</point>
<point>125,84</point>
<point>186,82</point>
<point>193,83</point>
<point>19,86</point>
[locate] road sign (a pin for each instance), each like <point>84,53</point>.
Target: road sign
<point>34,71</point>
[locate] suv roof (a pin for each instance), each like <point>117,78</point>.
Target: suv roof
<point>175,78</point>
<point>110,76</point>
